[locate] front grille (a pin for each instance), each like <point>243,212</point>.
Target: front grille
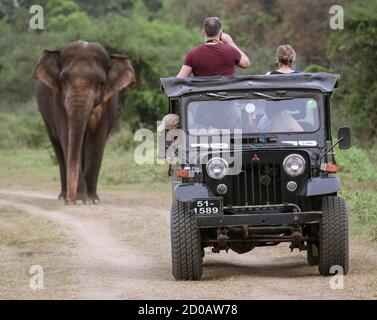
<point>257,184</point>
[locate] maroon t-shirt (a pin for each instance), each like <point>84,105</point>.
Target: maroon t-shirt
<point>213,60</point>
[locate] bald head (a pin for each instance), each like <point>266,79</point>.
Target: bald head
<point>212,26</point>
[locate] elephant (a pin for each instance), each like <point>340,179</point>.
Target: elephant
<point>77,96</point>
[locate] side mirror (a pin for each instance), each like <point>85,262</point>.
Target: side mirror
<point>344,134</point>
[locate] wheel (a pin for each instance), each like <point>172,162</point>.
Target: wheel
<point>333,236</point>
<point>185,243</point>
<point>312,253</point>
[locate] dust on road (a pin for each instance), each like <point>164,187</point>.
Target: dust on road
<point>122,250</point>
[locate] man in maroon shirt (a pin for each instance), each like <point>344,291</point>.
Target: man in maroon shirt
<point>218,56</point>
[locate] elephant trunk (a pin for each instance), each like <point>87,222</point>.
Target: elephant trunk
<point>77,124</point>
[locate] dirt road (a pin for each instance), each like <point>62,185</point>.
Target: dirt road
<point>121,250</point>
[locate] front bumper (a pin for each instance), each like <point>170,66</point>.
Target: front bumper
<point>258,219</point>
<point>253,216</point>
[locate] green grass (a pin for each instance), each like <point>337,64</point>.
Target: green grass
<point>25,153</point>
<point>119,168</point>
<point>17,131</point>
<point>36,167</point>
<point>27,167</point>
<point>30,167</point>
<point>359,187</point>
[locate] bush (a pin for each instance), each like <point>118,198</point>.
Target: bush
<point>121,141</point>
<point>359,186</point>
<point>312,68</point>
<point>119,168</point>
<point>354,52</point>
<point>21,131</point>
<point>355,165</point>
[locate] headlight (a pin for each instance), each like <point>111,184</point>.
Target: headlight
<point>294,165</point>
<point>217,168</point>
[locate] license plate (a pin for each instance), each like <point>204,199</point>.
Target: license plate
<point>208,206</point>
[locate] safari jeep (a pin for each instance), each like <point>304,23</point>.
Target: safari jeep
<point>252,164</point>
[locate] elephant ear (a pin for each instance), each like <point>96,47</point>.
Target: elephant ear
<point>48,69</point>
<point>120,76</point>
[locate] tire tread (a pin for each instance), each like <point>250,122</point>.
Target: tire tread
<point>333,235</point>
<point>185,243</point>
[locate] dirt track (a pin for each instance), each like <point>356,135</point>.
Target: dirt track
<point>123,250</point>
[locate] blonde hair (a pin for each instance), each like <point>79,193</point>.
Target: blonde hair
<point>285,54</point>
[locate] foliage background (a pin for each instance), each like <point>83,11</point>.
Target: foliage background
<point>156,35</point>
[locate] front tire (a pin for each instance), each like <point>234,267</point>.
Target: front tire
<point>185,243</point>
<point>333,236</point>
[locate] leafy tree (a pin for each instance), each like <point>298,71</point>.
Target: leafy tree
<point>316,68</point>
<point>65,14</point>
<point>354,52</point>
<point>98,8</point>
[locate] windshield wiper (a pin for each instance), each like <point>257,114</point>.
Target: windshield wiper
<point>225,97</point>
<point>269,97</point>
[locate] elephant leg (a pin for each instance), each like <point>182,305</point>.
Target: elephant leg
<point>59,154</point>
<point>94,149</point>
<point>82,191</point>
<point>63,172</point>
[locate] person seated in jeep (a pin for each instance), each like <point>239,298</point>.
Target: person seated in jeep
<point>282,121</point>
<point>206,121</point>
<point>278,120</point>
<point>285,57</point>
<point>218,56</point>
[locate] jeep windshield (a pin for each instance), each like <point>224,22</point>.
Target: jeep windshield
<point>252,116</point>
